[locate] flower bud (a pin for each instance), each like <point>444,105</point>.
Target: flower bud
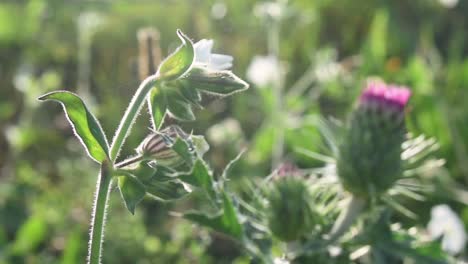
<point>290,213</point>
<point>158,146</point>
<point>369,160</point>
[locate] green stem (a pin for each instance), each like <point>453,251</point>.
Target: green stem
<point>277,113</point>
<point>131,114</point>
<point>99,215</point>
<point>105,177</point>
<point>346,218</point>
<point>129,161</point>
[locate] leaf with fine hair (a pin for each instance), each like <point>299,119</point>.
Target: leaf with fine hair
<point>132,191</point>
<point>179,107</point>
<point>214,82</point>
<point>85,126</point>
<point>157,104</point>
<point>179,62</point>
<point>200,176</point>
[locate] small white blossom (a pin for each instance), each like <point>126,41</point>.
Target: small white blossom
<point>229,130</point>
<point>280,261</point>
<point>448,3</point>
<point>269,9</point>
<point>445,223</point>
<point>264,70</point>
<point>204,57</point>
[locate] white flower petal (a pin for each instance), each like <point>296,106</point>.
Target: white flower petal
<point>203,50</point>
<point>221,61</point>
<point>446,223</point>
<point>204,57</point>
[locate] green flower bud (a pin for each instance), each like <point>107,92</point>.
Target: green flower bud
<point>158,146</point>
<point>369,160</point>
<point>290,214</point>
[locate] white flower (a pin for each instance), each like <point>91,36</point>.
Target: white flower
<point>204,57</point>
<point>264,70</point>
<point>445,223</point>
<point>448,3</point>
<point>280,261</point>
<point>229,130</point>
<point>269,9</point>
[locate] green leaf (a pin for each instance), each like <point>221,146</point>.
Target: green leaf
<point>182,148</point>
<point>179,62</point>
<point>226,221</point>
<point>84,124</point>
<point>215,82</point>
<point>230,166</point>
<point>30,235</point>
<point>165,190</point>
<point>200,145</point>
<point>179,107</point>
<point>132,191</point>
<point>158,106</point>
<point>146,172</point>
<point>199,177</point>
<point>189,93</point>
<point>74,247</point>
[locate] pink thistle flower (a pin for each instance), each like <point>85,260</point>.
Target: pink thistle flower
<point>369,160</point>
<point>381,95</point>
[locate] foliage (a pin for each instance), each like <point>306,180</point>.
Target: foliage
<point>325,51</point>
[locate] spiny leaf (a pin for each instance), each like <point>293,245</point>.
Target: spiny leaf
<point>84,124</point>
<point>226,221</point>
<point>132,191</point>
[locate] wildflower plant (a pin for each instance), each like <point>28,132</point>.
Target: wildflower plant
<point>339,212</point>
<point>172,91</point>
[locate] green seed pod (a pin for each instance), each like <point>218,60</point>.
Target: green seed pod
<point>369,160</point>
<point>290,214</point>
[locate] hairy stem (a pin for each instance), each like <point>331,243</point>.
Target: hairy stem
<point>105,177</point>
<point>131,114</point>
<point>99,215</point>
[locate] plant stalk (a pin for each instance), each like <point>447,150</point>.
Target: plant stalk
<point>99,215</point>
<point>105,177</point>
<point>346,218</point>
<point>130,115</point>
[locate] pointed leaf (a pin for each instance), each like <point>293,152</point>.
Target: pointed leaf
<point>189,93</point>
<point>226,221</point>
<point>85,126</point>
<point>200,145</point>
<point>179,62</point>
<point>200,177</point>
<point>184,150</point>
<point>158,106</point>
<point>179,108</point>
<point>215,82</point>
<point>165,190</point>
<point>132,191</point>
<point>231,165</point>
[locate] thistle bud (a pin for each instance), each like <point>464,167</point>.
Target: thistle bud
<point>290,213</point>
<point>158,146</point>
<point>369,160</point>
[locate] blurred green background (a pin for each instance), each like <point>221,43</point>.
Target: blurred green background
<point>91,48</point>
